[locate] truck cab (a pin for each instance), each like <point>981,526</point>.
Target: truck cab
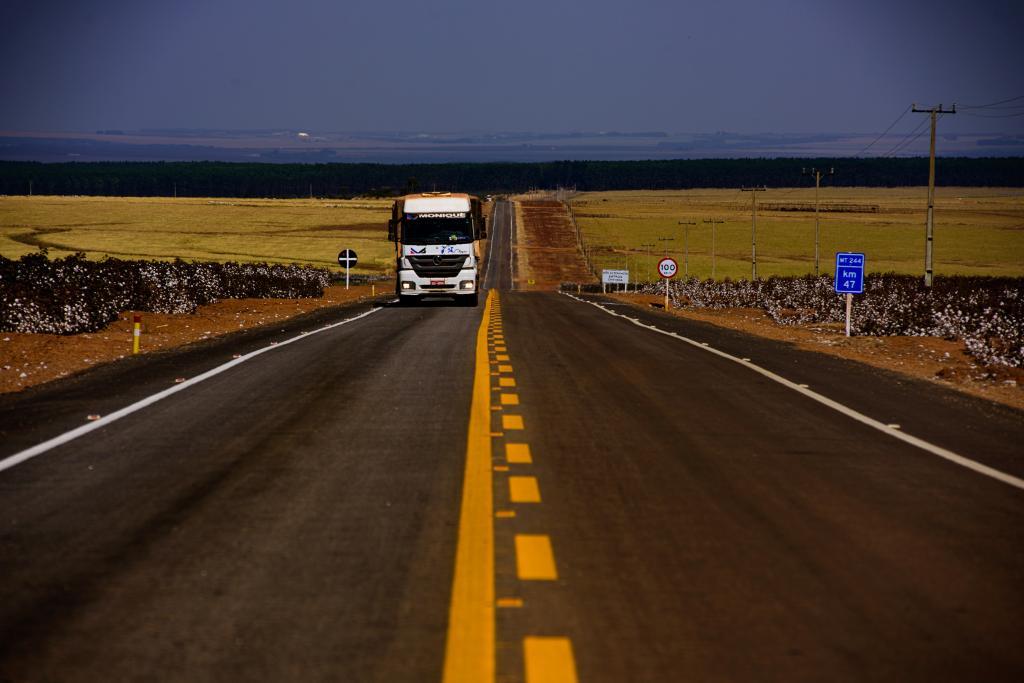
<point>437,246</point>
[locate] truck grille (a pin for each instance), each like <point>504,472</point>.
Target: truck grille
<point>446,265</point>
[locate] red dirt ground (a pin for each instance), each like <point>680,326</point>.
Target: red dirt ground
<point>546,247</point>
<point>30,359</point>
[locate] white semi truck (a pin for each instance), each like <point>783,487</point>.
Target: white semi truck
<point>437,246</point>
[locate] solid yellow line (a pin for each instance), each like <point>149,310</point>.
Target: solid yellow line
<point>523,490</point>
<point>549,660</point>
<point>518,453</point>
<point>535,560</point>
<point>469,651</point>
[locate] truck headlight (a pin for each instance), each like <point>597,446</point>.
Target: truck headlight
<point>408,285</point>
<point>467,284</point>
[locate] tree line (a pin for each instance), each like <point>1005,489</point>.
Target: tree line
<point>340,180</point>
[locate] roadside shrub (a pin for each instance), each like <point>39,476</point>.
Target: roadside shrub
<point>72,294</point>
<point>987,313</point>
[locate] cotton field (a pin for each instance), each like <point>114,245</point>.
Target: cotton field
<point>72,295</point>
<point>987,313</point>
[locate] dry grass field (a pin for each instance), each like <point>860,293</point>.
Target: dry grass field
<point>978,231</point>
<point>274,230</point>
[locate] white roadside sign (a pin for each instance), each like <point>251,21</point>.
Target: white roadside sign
<point>615,277</point>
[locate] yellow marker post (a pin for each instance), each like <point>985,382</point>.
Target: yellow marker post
<point>136,332</point>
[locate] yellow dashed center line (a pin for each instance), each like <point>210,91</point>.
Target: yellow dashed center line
<point>549,660</point>
<point>512,422</point>
<point>535,560</point>
<point>507,382</point>
<point>504,368</point>
<point>523,490</point>
<point>518,453</point>
<point>510,399</point>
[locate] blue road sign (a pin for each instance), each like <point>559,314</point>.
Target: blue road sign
<point>849,273</point>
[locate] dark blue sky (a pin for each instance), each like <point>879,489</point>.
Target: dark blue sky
<point>530,65</point>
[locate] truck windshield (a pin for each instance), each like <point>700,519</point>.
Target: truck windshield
<point>417,230</point>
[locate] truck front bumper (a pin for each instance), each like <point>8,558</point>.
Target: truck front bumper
<point>411,284</point>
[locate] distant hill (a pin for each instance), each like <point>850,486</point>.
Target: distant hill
<point>298,146</point>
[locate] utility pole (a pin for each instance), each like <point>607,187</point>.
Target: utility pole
<point>817,232</point>
<point>753,227</point>
<point>648,247</point>
<point>929,225</point>
<point>686,246</point>
<point>713,222</point>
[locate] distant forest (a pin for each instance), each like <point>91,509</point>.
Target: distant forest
<point>220,179</point>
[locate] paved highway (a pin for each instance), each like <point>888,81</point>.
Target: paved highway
<point>538,489</point>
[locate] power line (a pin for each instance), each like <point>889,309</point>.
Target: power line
<point>898,119</point>
<point>898,145</point>
<point>906,143</point>
<point>992,104</point>
<point>993,116</point>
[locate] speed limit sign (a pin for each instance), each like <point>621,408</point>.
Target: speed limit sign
<point>667,267</point>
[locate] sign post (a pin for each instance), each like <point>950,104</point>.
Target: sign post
<point>613,277</point>
<point>346,259</point>
<point>849,279</point>
<point>667,268</point>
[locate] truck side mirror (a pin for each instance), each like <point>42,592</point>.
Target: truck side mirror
<point>392,230</point>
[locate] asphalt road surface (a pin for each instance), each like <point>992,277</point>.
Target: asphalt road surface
<point>535,489</point>
<point>499,260</point>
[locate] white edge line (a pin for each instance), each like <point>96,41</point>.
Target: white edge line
<point>835,405</point>
<point>20,457</point>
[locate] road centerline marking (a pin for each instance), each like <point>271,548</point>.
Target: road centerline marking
<point>518,453</point>
<point>549,660</point>
<point>535,559</point>
<point>470,644</point>
<point>512,422</point>
<point>523,489</point>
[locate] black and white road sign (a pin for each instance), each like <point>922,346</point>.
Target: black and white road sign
<point>347,258</point>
